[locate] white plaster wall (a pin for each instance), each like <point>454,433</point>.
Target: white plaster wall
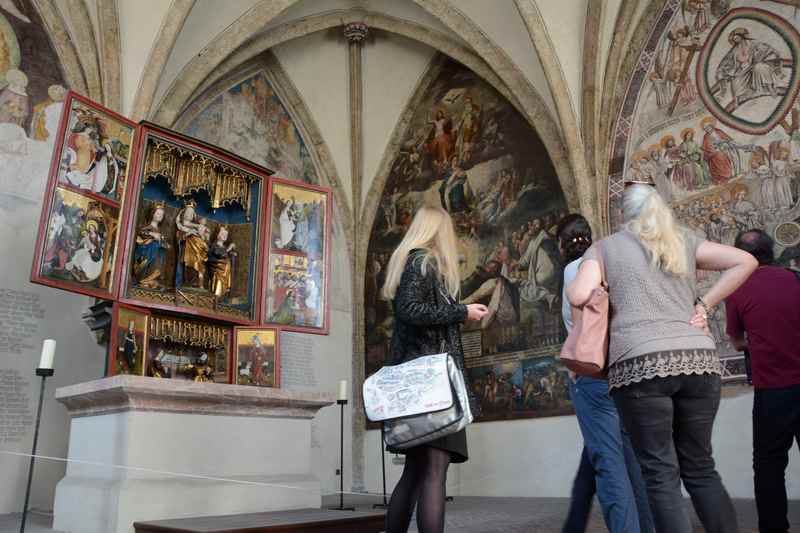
<point>317,65</point>
<point>139,23</point>
<point>539,457</point>
<point>393,67</point>
<point>565,22</point>
<point>501,22</point>
<point>78,357</point>
<point>332,362</point>
<point>205,21</point>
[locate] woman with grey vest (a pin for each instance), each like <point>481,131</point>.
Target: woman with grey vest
<point>663,368</point>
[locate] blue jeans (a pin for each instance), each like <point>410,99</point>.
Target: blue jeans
<point>620,485</point>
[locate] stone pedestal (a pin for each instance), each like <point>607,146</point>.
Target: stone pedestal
<point>149,449</point>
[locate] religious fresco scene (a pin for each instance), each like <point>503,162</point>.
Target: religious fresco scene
<point>712,116</point>
<point>250,120</point>
<point>469,151</point>
<point>32,91</point>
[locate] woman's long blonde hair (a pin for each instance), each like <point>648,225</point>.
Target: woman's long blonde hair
<point>431,231</point>
<point>651,219</point>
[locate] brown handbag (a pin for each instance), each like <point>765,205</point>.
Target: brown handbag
<point>585,352</point>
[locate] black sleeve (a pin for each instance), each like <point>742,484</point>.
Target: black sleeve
<point>413,304</point>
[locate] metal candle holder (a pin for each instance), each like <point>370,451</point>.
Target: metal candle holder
<point>341,506</point>
<point>44,373</point>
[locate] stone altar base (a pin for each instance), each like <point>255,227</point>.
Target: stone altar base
<point>149,449</point>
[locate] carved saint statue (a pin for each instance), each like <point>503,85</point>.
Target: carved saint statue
<point>151,252</point>
<point>193,236</point>
<point>200,371</point>
<point>221,258</point>
<point>157,368</point>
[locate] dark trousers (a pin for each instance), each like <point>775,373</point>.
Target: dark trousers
<point>776,425</point>
<point>670,421</point>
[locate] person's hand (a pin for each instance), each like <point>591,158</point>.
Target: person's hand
<point>476,311</point>
<point>699,319</point>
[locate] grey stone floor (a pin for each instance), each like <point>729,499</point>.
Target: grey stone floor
<point>477,515</point>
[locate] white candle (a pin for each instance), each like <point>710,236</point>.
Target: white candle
<point>343,390</point>
<point>48,353</point>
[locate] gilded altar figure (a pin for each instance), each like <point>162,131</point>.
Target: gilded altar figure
<point>151,252</point>
<point>193,236</point>
<point>157,368</point>
<point>200,371</point>
<point>221,263</point>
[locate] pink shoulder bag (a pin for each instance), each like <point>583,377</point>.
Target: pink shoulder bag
<point>585,351</point>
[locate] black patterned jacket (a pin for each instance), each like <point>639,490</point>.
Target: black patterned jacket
<point>426,318</point>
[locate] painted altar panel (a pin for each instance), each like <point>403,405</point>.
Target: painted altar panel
<point>249,119</point>
<point>298,269</point>
<point>195,230</point>
<point>711,114</point>
<point>77,245</point>
<point>128,345</point>
<point>257,357</point>
<point>468,150</point>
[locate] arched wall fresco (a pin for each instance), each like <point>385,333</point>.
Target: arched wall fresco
<point>711,114</point>
<point>468,150</point>
<point>249,119</point>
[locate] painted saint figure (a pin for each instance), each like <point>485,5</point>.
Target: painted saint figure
<point>455,192</point>
<point>720,153</point>
<point>151,252</point>
<point>286,224</point>
<point>129,347</point>
<point>87,164</point>
<point>87,262</point>
<point>468,129</point>
<point>221,257</point>
<point>750,69</point>
<point>14,100</point>
<point>192,236</point>
<point>441,144</point>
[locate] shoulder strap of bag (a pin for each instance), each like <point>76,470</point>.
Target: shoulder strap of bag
<point>601,262</point>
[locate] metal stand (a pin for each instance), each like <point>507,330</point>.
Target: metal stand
<point>341,507</point>
<point>385,504</point>
<point>44,373</point>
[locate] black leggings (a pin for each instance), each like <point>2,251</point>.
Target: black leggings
<point>422,485</point>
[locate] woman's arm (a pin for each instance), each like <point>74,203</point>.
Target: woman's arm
<point>736,266</point>
<point>412,303</point>
<point>588,279</point>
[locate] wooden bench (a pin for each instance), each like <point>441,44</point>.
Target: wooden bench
<point>300,520</point>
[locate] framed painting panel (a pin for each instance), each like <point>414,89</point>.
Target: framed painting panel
<point>79,230</point>
<point>130,328</point>
<point>77,249</point>
<point>195,230</point>
<point>298,271</point>
<point>257,359</point>
<point>190,350</point>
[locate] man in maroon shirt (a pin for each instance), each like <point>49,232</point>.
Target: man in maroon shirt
<point>764,317</point>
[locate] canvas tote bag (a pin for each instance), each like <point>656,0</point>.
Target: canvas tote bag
<point>585,352</point>
<point>418,401</point>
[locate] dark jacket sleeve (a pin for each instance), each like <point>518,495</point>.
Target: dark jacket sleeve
<point>413,303</point>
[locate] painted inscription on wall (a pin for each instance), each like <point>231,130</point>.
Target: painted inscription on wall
<point>20,313</point>
<point>15,411</point>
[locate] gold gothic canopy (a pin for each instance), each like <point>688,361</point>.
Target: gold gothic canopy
<point>189,171</point>
<point>187,332</point>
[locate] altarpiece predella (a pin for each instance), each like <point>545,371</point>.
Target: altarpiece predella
<point>191,242</point>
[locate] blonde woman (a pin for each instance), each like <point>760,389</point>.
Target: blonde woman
<point>664,371</point>
<point>422,281</point>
